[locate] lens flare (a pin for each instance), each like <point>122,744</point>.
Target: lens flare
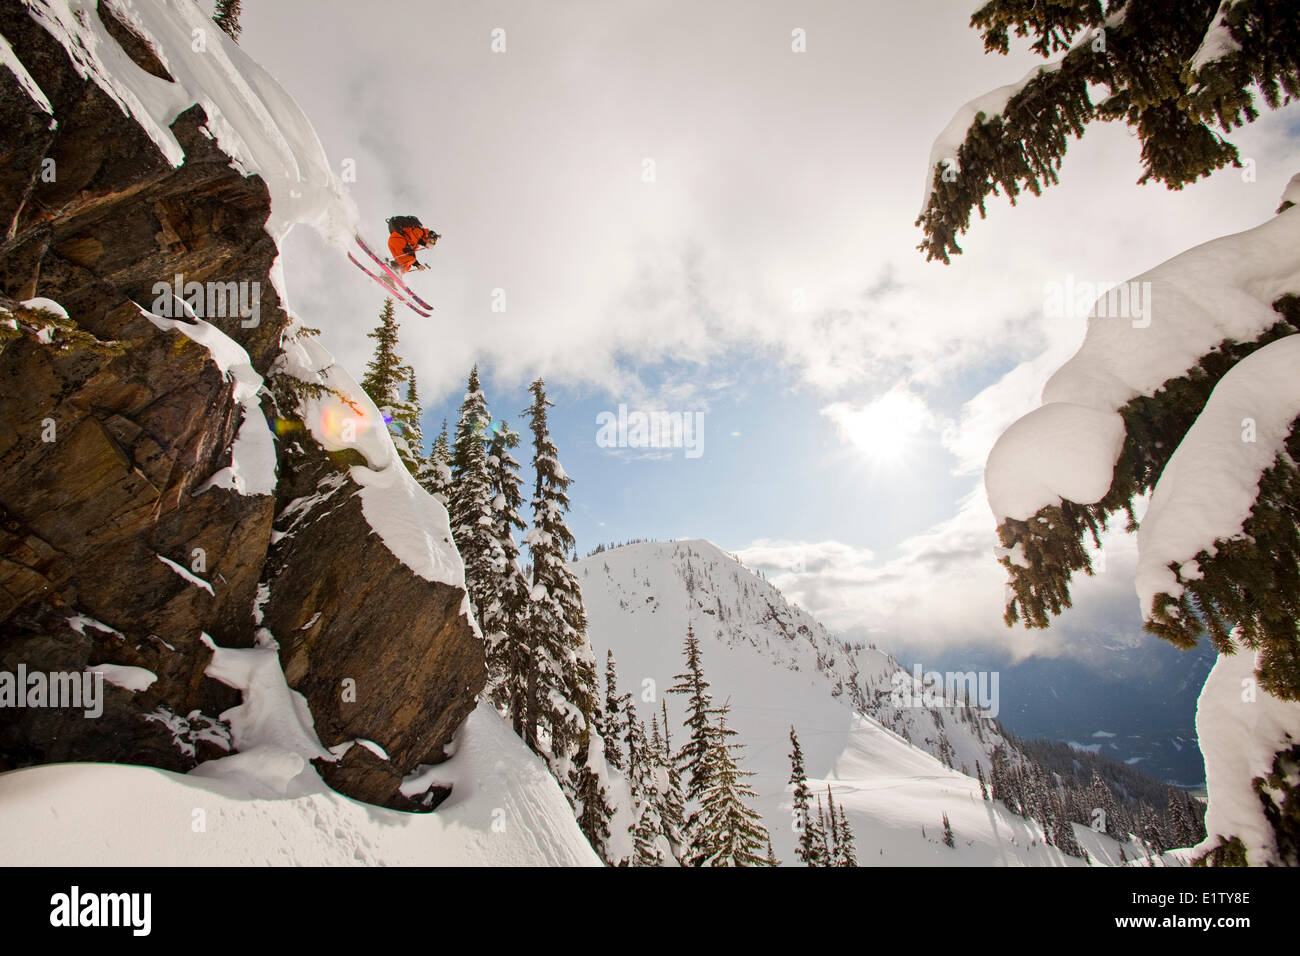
<point>343,425</point>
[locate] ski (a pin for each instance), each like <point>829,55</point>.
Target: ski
<point>397,279</point>
<point>395,292</point>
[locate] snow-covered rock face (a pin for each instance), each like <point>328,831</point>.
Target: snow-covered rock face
<point>254,121</point>
<point>152,483</point>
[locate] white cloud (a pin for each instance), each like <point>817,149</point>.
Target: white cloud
<point>804,557</point>
<point>772,178</point>
<point>944,588</point>
<point>779,225</point>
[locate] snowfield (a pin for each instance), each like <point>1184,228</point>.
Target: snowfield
<point>506,811</point>
<point>266,804</point>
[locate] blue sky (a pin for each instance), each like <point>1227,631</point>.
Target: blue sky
<point>766,274</point>
<point>768,461</point>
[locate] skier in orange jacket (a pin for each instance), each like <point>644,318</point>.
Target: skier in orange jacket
<point>407,237</point>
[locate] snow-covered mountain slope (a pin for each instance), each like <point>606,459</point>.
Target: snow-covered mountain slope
<point>696,582</point>
<point>778,667</point>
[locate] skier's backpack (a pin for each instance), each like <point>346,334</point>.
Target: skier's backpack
<point>398,223</point>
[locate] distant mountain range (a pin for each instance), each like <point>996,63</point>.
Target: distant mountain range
<point>1134,702</point>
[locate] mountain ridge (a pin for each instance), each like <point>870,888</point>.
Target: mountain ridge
<point>777,667</point>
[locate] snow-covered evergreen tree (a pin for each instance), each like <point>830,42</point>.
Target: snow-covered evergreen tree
<point>562,683</point>
<point>1170,72</point>
<point>385,379</point>
<point>727,831</point>
<point>408,435</point>
<point>1063,837</point>
<point>692,759</point>
<point>1159,399</point>
<point>504,619</point>
<point>1185,825</point>
<point>672,802</point>
<point>435,473</point>
<point>226,16</point>
<point>385,373</point>
<point>589,797</point>
<point>1149,831</point>
<point>470,508</point>
<point>771,854</point>
<point>617,717</point>
<point>820,838</point>
<point>807,851</point>
<point>667,738</point>
<point>1003,779</point>
<point>1036,799</point>
<point>643,771</point>
<point>1103,801</point>
<point>846,854</point>
<point>948,838</point>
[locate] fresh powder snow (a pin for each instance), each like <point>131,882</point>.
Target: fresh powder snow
<point>1223,289</point>
<point>505,810</point>
<point>1240,728</point>
<point>267,805</point>
<point>1207,490</point>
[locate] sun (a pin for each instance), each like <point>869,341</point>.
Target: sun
<point>883,430</point>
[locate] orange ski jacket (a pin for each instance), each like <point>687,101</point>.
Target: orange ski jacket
<point>403,244</point>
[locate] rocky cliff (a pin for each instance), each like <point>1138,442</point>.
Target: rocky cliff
<point>124,535</point>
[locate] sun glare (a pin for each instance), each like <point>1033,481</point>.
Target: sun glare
<point>883,430</point>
